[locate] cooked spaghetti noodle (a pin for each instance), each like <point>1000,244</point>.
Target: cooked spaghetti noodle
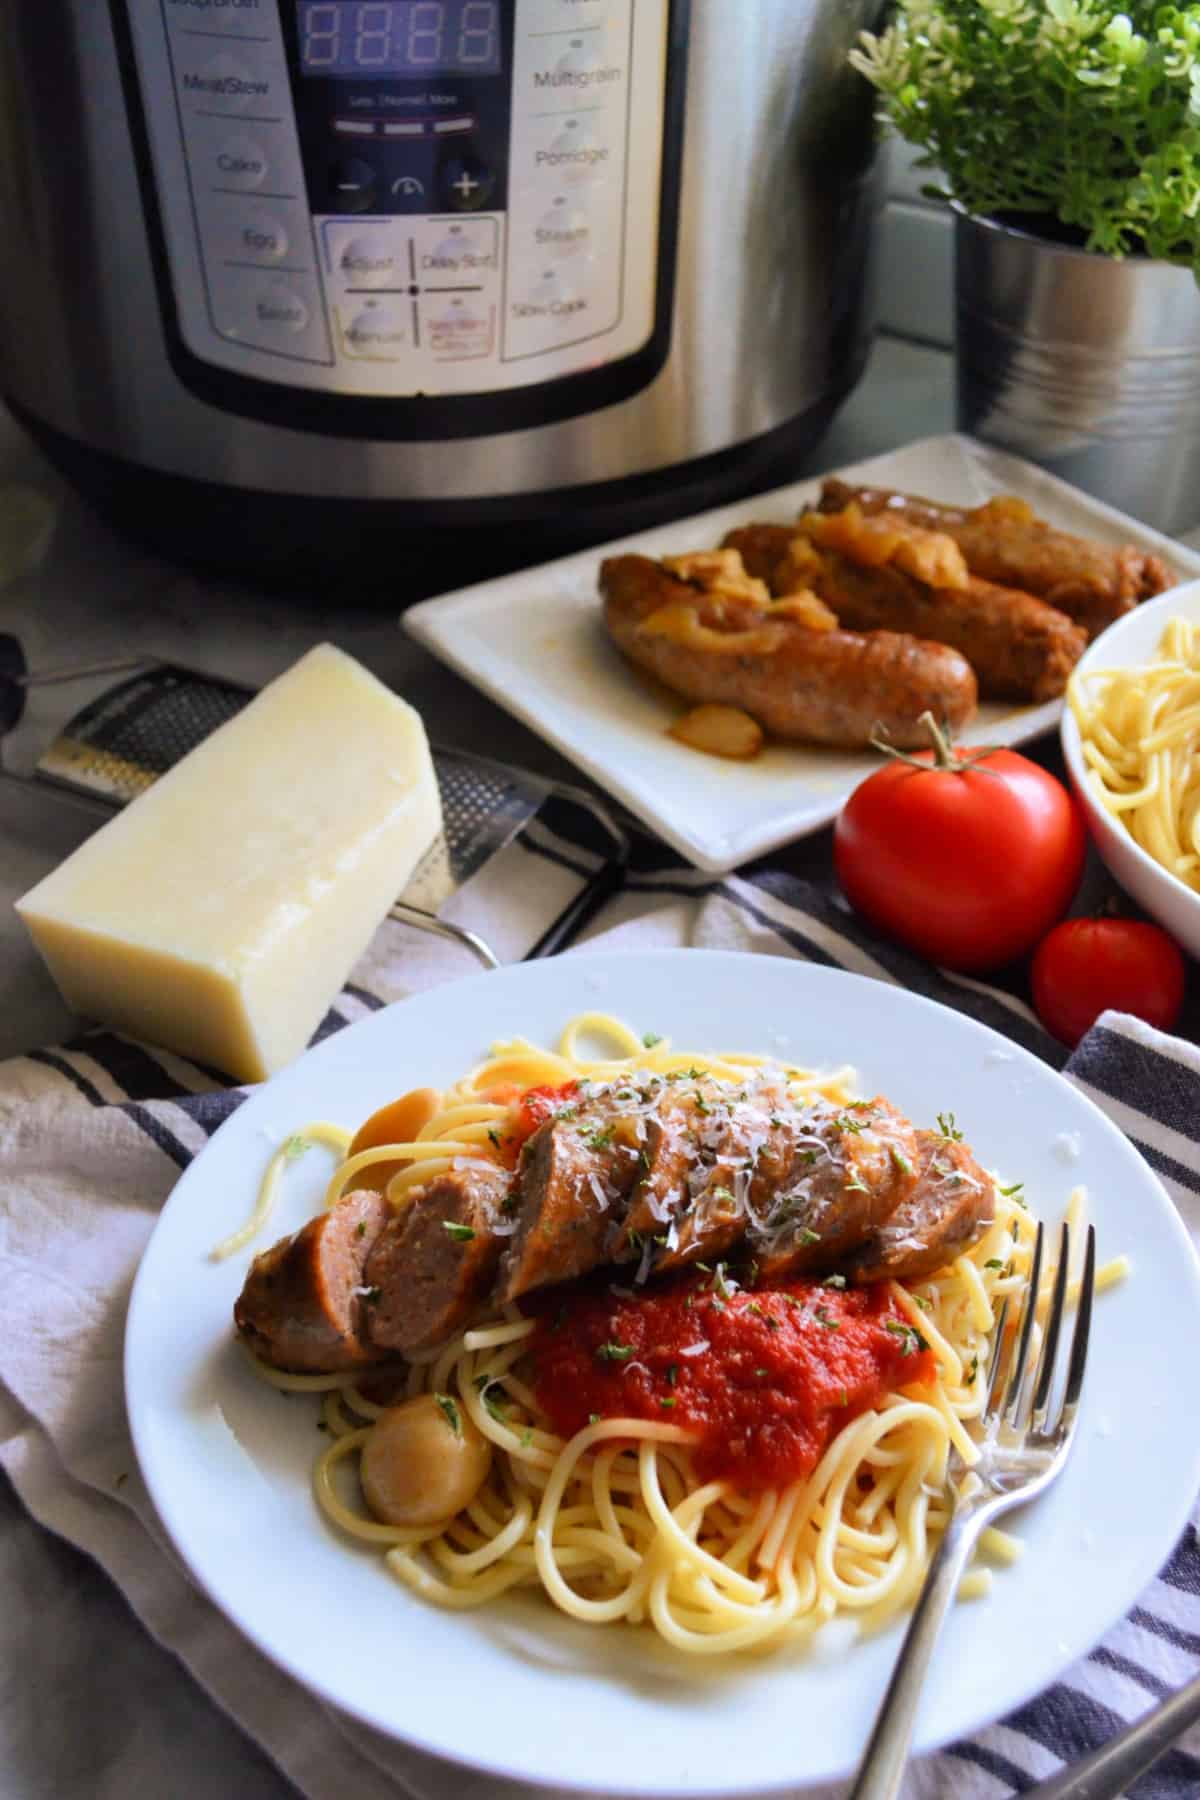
<point>1140,733</point>
<point>616,1523</point>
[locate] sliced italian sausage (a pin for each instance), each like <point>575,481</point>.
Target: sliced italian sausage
<point>806,685</point>
<point>570,1201</point>
<point>949,1208</point>
<point>301,1306</point>
<point>848,1174</point>
<point>433,1264</point>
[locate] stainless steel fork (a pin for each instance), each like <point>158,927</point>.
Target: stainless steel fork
<point>1028,1431</point>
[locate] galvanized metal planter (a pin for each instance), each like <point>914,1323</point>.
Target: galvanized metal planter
<point>1084,364</point>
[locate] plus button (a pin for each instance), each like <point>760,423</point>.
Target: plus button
<point>466,185</point>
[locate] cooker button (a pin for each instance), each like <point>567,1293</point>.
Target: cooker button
<point>563,232</point>
<point>367,263</point>
<point>379,333</point>
<point>240,163</point>
<point>575,156</point>
<point>277,309</point>
<point>460,327</point>
<point>580,59</point>
<point>352,186</point>
<point>259,238</point>
<point>467,183</point>
<point>225,85</point>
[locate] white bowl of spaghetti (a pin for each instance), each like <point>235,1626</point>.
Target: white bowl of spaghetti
<point>1131,739</point>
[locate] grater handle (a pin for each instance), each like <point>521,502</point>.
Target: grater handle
<point>420,920</point>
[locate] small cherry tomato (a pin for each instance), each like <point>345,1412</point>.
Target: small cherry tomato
<point>967,856</point>
<point>1085,966</point>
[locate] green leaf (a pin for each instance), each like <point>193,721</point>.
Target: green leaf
<point>462,1234</point>
<point>449,1412</point>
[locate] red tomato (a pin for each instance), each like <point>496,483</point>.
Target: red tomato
<point>1086,965</point>
<point>968,860</point>
<point>537,1104</point>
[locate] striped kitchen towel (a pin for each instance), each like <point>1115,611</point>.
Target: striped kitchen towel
<point>92,1137</point>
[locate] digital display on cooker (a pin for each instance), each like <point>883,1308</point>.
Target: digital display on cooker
<point>399,37</point>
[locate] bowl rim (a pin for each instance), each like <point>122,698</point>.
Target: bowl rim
<point>1071,739</point>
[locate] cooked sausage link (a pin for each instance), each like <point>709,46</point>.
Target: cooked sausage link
<point>826,687</point>
<point>949,1208</point>
<point>1020,648</point>
<point>301,1307</point>
<point>1003,541</point>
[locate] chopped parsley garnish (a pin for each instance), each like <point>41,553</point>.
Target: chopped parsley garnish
<point>672,1374</point>
<point>667,1402</point>
<point>1010,1193</point>
<point>761,1372</point>
<point>973,1371</point>
<point>596,1140</point>
<point>777,1121</point>
<point>494,1136</point>
<point>808,1157</point>
<point>360,1230</point>
<point>948,1128</point>
<point>722,1193</point>
<point>857,1187</point>
<point>720,1283</point>
<point>497,1408</point>
<point>462,1234</point>
<point>612,1352</point>
<point>773,1323</point>
<point>994,1262</point>
<point>901,1161</point>
<point>843,1397</point>
<point>650,1038</point>
<point>295,1147</point>
<point>912,1337</point>
<point>823,1318</point>
<point>593,1418</point>
<point>449,1412</point>
<point>636,1240</point>
<point>527,1437</point>
<point>510,1203</point>
<point>702,1105</point>
<point>758,1311</point>
<point>805,1236</point>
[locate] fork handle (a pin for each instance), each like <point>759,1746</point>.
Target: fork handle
<point>882,1768</point>
<point>1108,1771</point>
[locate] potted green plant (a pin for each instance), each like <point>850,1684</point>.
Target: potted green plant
<point>1067,137</point>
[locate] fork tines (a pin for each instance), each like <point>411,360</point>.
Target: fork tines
<point>1023,1404</point>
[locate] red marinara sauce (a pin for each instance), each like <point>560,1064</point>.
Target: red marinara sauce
<point>765,1378</point>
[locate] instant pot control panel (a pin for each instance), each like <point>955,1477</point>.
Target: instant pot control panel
<point>410,198</point>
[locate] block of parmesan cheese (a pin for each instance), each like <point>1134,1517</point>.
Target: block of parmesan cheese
<point>222,910</point>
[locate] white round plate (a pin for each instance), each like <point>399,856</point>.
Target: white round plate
<point>516,1689</point>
